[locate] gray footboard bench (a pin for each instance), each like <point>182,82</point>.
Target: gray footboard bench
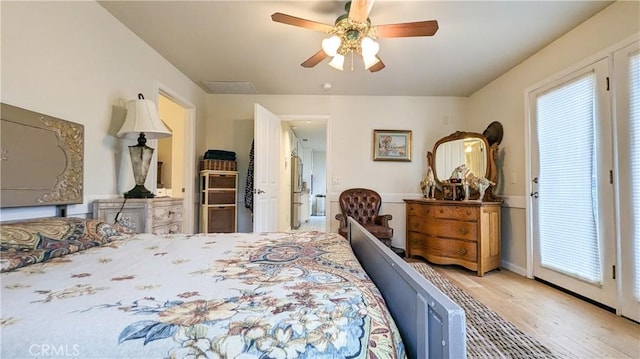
<point>431,325</point>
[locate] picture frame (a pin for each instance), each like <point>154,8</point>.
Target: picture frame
<point>392,145</point>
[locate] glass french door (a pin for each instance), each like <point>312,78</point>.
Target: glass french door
<point>626,64</point>
<point>572,194</point>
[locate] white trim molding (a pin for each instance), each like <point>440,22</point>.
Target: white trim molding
<point>514,201</point>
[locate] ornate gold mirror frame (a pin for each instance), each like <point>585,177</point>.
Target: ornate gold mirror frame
<point>471,142</point>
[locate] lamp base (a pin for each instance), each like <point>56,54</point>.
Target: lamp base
<point>139,191</point>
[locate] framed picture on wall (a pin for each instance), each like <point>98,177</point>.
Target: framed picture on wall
<point>392,145</point>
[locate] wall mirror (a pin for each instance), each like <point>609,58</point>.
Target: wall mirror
<point>470,148</point>
<point>471,151</point>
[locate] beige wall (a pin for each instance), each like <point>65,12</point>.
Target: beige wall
<point>75,61</point>
<point>503,100</point>
<point>171,149</point>
<point>352,120</point>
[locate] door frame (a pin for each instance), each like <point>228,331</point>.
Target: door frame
<point>627,305</point>
<point>189,159</point>
<point>528,133</point>
<point>327,161</point>
<point>605,53</point>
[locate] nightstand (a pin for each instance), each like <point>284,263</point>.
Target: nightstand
<point>159,215</point>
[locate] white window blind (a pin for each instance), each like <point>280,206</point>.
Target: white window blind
<point>567,180</point>
<point>634,122</point>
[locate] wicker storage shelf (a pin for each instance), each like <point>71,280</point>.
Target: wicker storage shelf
<point>218,196</point>
<point>218,165</point>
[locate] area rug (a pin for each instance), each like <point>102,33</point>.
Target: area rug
<point>488,334</point>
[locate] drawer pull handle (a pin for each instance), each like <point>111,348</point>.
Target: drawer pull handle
<point>441,211</point>
<point>462,251</point>
<point>464,231</point>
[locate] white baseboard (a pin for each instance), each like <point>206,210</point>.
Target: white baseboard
<point>514,268</point>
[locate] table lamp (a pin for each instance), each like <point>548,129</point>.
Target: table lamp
<point>143,122</point>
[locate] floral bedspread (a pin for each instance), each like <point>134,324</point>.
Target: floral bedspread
<point>258,295</point>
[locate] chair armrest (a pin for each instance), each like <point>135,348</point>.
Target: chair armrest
<point>343,219</point>
<point>382,219</point>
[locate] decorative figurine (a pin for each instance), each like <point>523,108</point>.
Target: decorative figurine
<point>428,183</point>
<point>469,180</point>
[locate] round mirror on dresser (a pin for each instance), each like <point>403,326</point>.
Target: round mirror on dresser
<point>447,228</point>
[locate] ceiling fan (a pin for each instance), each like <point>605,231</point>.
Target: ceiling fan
<point>353,33</point>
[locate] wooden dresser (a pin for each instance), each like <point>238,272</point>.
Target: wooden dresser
<point>160,215</point>
<point>466,233</point>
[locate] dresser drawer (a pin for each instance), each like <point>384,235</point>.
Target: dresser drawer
<point>452,248</point>
<point>221,197</point>
<point>170,228</point>
<point>167,214</point>
<point>418,210</point>
<point>449,228</point>
<point>462,213</point>
<point>417,224</point>
<point>220,219</point>
<point>417,241</point>
<point>222,181</point>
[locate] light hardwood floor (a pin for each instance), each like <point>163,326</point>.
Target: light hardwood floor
<point>570,327</point>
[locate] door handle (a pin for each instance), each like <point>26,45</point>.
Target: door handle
<point>534,194</point>
<point>258,191</point>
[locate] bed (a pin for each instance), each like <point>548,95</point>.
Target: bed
<point>76,287</point>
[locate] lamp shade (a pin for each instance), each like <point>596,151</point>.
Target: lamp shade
<point>330,45</point>
<point>369,47</point>
<point>142,116</point>
<point>337,62</point>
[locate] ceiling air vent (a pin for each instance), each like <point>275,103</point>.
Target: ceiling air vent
<point>229,87</point>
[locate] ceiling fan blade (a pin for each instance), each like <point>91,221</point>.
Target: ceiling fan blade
<point>378,66</point>
<point>315,59</point>
<point>407,29</point>
<point>296,21</point>
<point>360,9</point>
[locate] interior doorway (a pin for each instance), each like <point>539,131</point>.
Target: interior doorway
<point>171,149</point>
<point>312,136</point>
<point>175,171</point>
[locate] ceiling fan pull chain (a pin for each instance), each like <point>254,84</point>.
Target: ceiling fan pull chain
<point>351,60</point>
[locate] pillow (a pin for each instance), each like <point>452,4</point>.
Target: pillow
<point>37,240</point>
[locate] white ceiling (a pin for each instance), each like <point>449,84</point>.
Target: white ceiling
<point>237,41</point>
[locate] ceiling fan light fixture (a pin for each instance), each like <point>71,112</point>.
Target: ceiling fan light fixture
<point>369,47</point>
<point>330,45</point>
<point>337,62</point>
<point>369,60</point>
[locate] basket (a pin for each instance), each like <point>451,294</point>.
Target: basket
<point>218,165</point>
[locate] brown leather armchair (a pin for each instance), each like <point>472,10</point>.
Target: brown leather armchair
<point>363,205</point>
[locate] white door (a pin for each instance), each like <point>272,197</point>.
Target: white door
<point>266,132</point>
<point>572,195</point>
<point>627,84</point>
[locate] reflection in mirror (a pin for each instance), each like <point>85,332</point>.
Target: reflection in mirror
<point>469,151</point>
